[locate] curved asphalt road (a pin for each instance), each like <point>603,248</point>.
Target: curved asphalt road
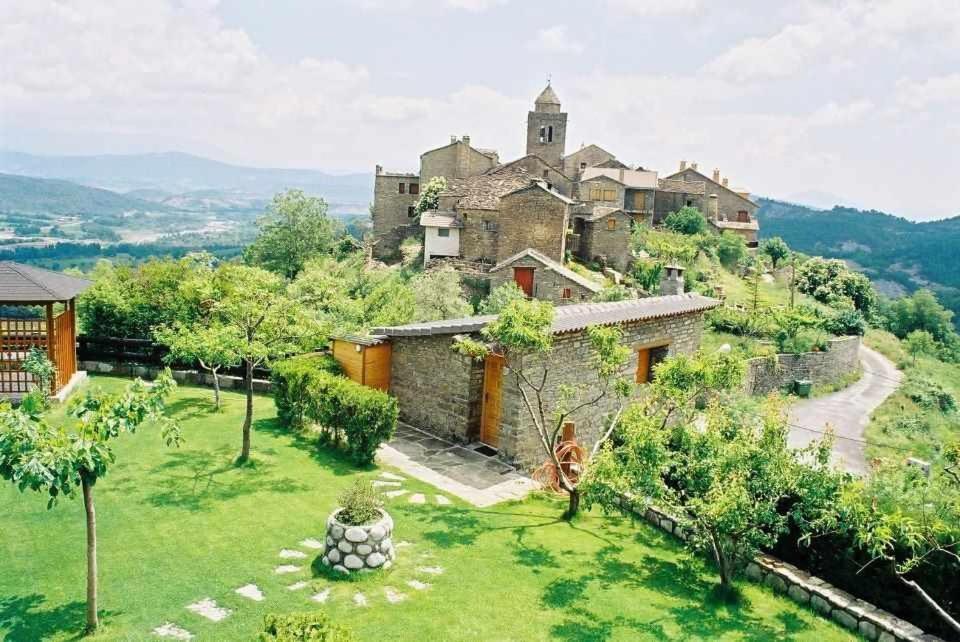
<point>847,411</point>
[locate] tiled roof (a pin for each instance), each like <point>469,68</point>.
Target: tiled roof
<point>360,339</point>
<point>559,268</point>
<point>600,211</point>
<point>628,177</point>
<point>571,318</point>
<point>506,166</point>
<point>543,186</point>
<point>735,225</point>
<point>682,187</point>
<point>744,195</point>
<point>435,218</point>
<point>483,192</point>
<point>400,174</point>
<point>24,283</point>
<point>548,96</point>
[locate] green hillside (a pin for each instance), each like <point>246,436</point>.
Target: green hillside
<point>898,255</point>
<point>27,195</point>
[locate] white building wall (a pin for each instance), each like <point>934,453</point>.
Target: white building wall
<point>436,245</point>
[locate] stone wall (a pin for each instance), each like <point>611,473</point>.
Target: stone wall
<point>437,388</point>
<point>764,375</point>
<point>548,285</point>
<point>845,609</point>
<point>480,235</point>
<point>552,152</point>
<point>180,376</point>
<point>602,183</point>
<point>537,168</point>
<point>598,241</point>
<point>456,160</point>
<point>531,218</point>
<point>590,155</point>
<point>391,212</point>
<point>729,203</point>
<point>569,363</point>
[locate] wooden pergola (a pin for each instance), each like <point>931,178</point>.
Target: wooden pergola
<point>55,331</point>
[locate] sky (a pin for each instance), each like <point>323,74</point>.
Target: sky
<point>855,102</point>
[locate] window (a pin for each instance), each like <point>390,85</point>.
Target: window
<point>583,166</point>
<point>443,232</point>
<point>596,194</point>
<point>402,187</point>
<point>743,216</point>
<point>414,188</point>
<point>609,194</point>
<point>411,211</point>
<point>647,360</point>
<point>550,134</point>
<point>543,134</point>
<point>546,173</point>
<point>566,294</point>
<point>689,203</point>
<point>489,226</point>
<point>611,223</point>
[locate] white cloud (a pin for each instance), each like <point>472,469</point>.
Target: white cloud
<point>918,95</point>
<point>655,7</point>
<point>555,39</point>
<point>473,6</point>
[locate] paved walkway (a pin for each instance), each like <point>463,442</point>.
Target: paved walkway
<point>847,411</point>
<point>479,479</point>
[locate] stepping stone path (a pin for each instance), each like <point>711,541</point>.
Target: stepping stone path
<point>360,599</point>
<point>431,570</point>
<point>442,500</point>
<point>392,477</point>
<point>395,493</point>
<point>418,498</point>
<point>418,585</point>
<point>379,483</point>
<point>296,586</point>
<point>393,596</point>
<point>170,630</point>
<point>403,544</point>
<point>289,554</point>
<point>287,568</point>
<point>208,608</point>
<point>322,596</point>
<point>312,543</point>
<point>250,591</point>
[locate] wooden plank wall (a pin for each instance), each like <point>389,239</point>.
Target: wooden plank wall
<point>349,359</point>
<point>377,366</point>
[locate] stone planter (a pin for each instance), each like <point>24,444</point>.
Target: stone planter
<point>358,548</point>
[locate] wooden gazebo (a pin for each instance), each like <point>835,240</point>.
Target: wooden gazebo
<point>53,327</point>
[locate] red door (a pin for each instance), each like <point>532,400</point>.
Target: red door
<point>523,277</point>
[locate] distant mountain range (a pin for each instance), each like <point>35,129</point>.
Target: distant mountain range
<point>177,173</point>
<point>897,254</point>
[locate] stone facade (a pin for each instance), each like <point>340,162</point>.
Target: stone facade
<point>849,612</point>
<point>548,284</point>
<point>437,388</point>
<point>603,242</point>
<point>764,375</point>
<point>730,203</point>
<point>456,160</point>
<point>568,364</point>
<point>547,129</point>
<point>538,168</point>
<point>588,156</point>
<point>533,218</point>
<point>392,211</point>
<point>359,548</point>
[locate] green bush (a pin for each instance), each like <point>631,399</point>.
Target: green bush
<point>290,378</point>
<point>740,323</point>
<point>846,322</point>
<point>308,389</point>
<point>731,249</point>
<point>304,627</point>
<point>361,504</point>
<point>686,220</point>
<point>929,394</point>
<point>802,341</point>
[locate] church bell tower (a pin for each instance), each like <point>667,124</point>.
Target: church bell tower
<point>547,128</point>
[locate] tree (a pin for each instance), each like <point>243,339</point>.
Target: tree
<point>294,229</point>
<point>921,311</point>
<point>731,249</point>
<point>776,248</point>
<point>731,482</point>
<point>251,303</point>
<point>213,345</point>
<point>57,460</point>
<point>919,342</point>
<point>437,295</point>
<point>521,333</point>
<point>501,297</point>
<point>38,364</point>
<point>687,220</point>
<point>430,195</point>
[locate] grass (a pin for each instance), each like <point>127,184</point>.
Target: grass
<point>178,525</point>
<point>900,427</point>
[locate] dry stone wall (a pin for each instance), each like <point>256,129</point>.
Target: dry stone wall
<point>358,548</point>
<point>765,375</point>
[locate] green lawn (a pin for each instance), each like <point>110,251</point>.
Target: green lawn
<point>176,526</point>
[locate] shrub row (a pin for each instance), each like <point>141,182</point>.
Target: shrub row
<point>304,627</point>
<point>307,389</point>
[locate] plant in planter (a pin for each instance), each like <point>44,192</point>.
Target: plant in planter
<point>359,532</point>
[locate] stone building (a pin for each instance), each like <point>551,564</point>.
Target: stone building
<point>602,235</point>
<point>540,277</point>
<point>464,400</point>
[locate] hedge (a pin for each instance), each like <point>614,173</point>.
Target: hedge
<point>304,627</point>
<point>352,415</point>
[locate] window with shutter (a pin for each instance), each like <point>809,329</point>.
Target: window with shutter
<point>414,188</point>
<point>611,223</point>
<point>402,187</point>
<point>609,194</point>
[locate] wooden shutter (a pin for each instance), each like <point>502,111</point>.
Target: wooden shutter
<point>643,365</point>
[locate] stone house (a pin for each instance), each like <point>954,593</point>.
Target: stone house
<point>540,277</point>
<point>602,235</point>
<point>456,397</point>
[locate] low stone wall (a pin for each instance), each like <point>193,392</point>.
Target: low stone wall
<point>765,375</point>
<point>824,598</point>
<point>181,376</point>
<point>358,548</point>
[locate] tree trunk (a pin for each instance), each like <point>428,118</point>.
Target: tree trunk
<point>248,417</point>
<point>92,620</point>
<point>940,611</point>
<point>723,565</point>
<point>574,506</point>
<point>216,389</point>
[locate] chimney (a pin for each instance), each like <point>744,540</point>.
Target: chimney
<point>379,170</point>
<point>453,139</point>
<point>726,182</point>
<point>713,207</point>
<point>621,174</point>
<point>683,165</point>
<point>693,165</point>
<point>466,139</point>
<point>716,175</point>
<point>671,280</point>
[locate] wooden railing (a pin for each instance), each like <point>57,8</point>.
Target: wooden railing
<point>64,348</point>
<point>17,338</point>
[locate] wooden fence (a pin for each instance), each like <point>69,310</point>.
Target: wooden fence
<point>20,335</point>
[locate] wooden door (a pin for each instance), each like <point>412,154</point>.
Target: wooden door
<point>492,396</point>
<point>523,277</point>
